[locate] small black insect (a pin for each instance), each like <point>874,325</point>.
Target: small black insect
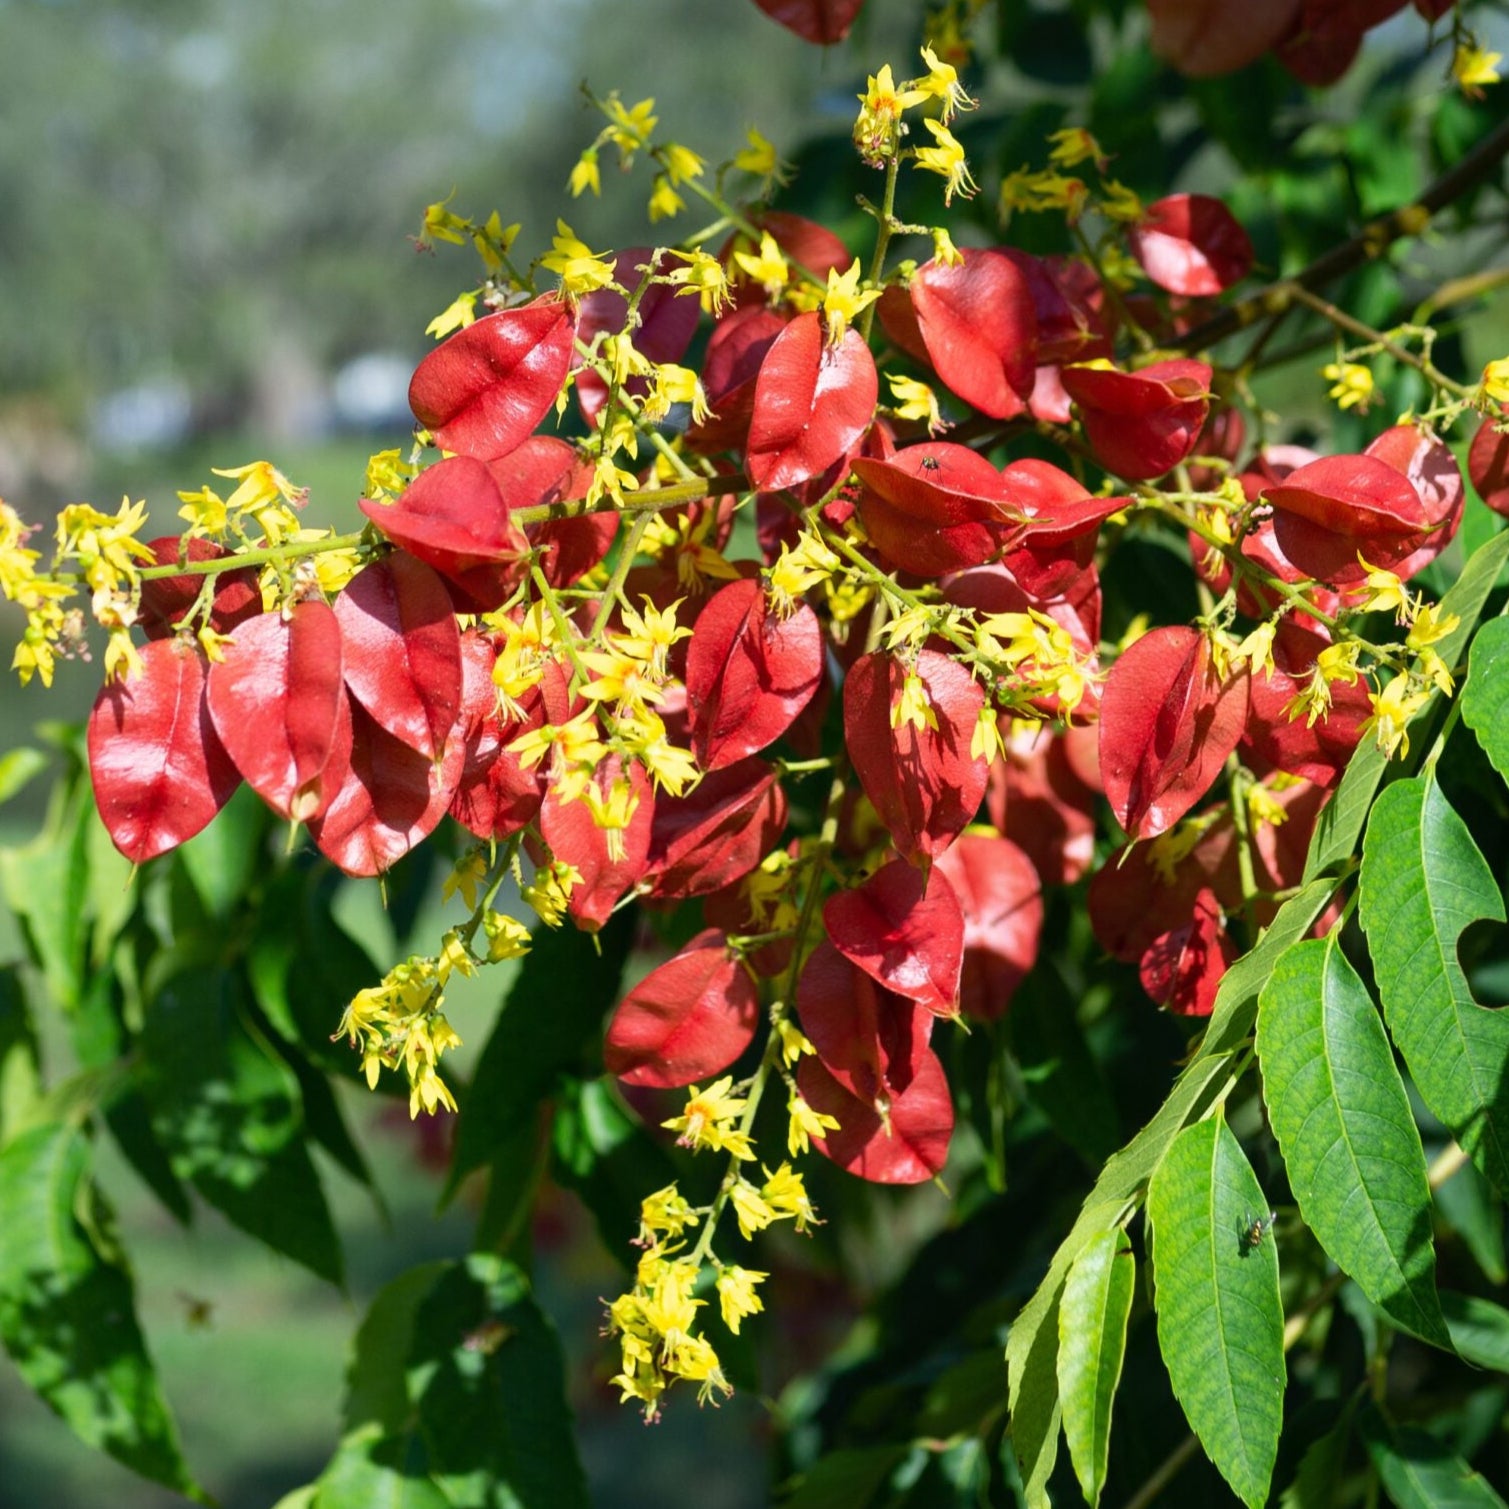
<point>1254,1229</point>
<point>931,464</point>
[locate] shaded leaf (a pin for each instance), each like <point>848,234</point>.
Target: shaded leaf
<point>1420,1472</point>
<point>1092,1331</point>
<point>68,1308</point>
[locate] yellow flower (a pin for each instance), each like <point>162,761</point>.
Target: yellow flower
<point>736,1294</point>
<point>797,570</point>
<point>549,891</point>
<point>708,1121</point>
<point>681,163</point>
<point>665,1213</point>
<point>1264,809</point>
<point>204,510</point>
<point>786,1194</point>
<point>1352,385</point>
<point>767,267</point>
<point>387,472</point>
<point>1474,69</point>
<point>946,158</point>
<point>584,175</point>
<point>794,1041</point>
<point>665,202</point>
<point>750,1209</point>
<point>1074,145</point>
<point>703,275</point>
<point>915,400</point>
<point>629,129</point>
<point>877,129</point>
<point>1495,380</point>
<point>507,937</point>
<point>1118,202</point>
<point>580,269</point>
<point>457,315</point>
<point>913,707</point>
<point>1393,708</point>
<point>454,958</point>
<point>1026,190</point>
<point>986,742</point>
<point>441,225</point>
<point>944,250</point>
<point>805,1123</point>
<point>760,158</point>
<point>942,82</point>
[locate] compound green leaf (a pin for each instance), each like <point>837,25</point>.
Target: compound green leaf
<point>1092,1335</point>
<point>1032,1392</point>
<point>68,1310</point>
<point>1423,883</point>
<point>1344,1126</point>
<point>1220,1319</point>
<point>1420,1472</point>
<point>1485,696</point>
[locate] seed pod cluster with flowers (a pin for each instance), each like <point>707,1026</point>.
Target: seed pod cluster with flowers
<point>751,580</point>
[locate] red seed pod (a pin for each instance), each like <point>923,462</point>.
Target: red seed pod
<point>1141,424</point>
<point>1204,38</point>
<point>1488,465</point>
<point>1167,723</point>
<point>923,781</point>
<point>276,699</point>
<point>869,1038</point>
<point>1328,512</point>
<point>1001,899</point>
<point>1191,244</point>
<point>688,1019</point>
<point>166,599</point>
<point>814,400</point>
<point>1040,801</point>
<point>905,929</point>
<point>978,323</point>
<point>935,508</point>
<point>718,832</point>
<point>402,650</point>
<point>542,471</point>
<point>735,351</point>
<point>903,1142</point>
<point>749,672</point>
<point>1422,457</point>
<point>810,245</point>
<point>821,21</point>
<point>454,517</point>
<point>388,799</point>
<point>1182,969</point>
<point>159,771</point>
<point>483,390</point>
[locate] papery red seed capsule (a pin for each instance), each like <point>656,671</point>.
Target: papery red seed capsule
<point>814,399</point>
<point>402,650</point>
<point>276,697</point>
<point>1000,897</point>
<point>1168,721</point>
<point>1191,244</point>
<point>923,781</point>
<point>159,771</point>
<point>904,928</point>
<point>483,390</point>
<point>688,1019</point>
<point>749,672</point>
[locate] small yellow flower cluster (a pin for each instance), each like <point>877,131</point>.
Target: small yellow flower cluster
<point>549,891</point>
<point>1474,68</point>
<point>107,552</point>
<point>800,567</point>
<point>492,238</point>
<point>398,1023</point>
<point>1037,656</point>
<point>878,129</point>
<point>1351,385</point>
<point>47,621</point>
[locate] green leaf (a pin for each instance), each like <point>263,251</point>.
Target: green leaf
<point>17,767</point>
<point>1318,1477</point>
<point>458,1383</point>
<point>556,1007</point>
<point>224,859</point>
<point>1344,1126</point>
<point>1468,1206</point>
<point>605,1155</point>
<point>1423,883</point>
<point>68,1310</point>
<point>1479,1329</point>
<point>1092,1336</point>
<point>227,1109</point>
<point>1220,1319</point>
<point>371,1470</point>
<point>1032,1393</point>
<point>19,1084</point>
<point>1485,697</point>
<point>1419,1472</point>
<point>46,885</point>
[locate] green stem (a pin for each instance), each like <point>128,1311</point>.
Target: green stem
<point>615,587</point>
